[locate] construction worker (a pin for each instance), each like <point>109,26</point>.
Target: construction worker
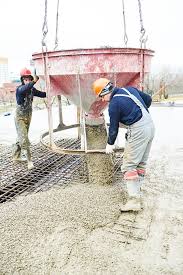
<point>129,107</point>
<point>24,98</point>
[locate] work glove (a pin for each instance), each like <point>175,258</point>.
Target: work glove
<point>36,78</point>
<point>109,149</point>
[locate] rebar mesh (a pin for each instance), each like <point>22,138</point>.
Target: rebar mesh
<point>50,170</point>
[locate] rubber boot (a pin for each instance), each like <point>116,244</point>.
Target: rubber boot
<point>141,172</point>
<point>133,187</point>
<point>133,204</point>
<point>30,164</point>
<point>17,153</point>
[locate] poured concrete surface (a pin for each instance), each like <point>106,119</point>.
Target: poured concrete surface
<point>80,230</point>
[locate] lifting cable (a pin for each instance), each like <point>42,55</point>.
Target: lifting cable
<point>143,41</point>
<point>56,32</point>
<point>44,46</point>
<point>46,74</point>
<point>124,25</point>
<point>45,25</point>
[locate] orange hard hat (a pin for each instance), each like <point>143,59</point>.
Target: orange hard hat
<point>102,86</point>
<point>25,72</point>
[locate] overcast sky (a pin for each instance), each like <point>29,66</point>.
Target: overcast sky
<point>91,23</point>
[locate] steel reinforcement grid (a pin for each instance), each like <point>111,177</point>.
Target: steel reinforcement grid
<point>50,170</point>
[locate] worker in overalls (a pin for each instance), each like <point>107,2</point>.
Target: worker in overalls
<point>129,107</point>
<point>24,98</point>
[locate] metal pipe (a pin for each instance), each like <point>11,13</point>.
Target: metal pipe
<point>61,124</point>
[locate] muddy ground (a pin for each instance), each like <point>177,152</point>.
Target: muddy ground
<point>80,230</point>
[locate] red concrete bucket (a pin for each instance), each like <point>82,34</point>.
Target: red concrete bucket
<point>72,72</point>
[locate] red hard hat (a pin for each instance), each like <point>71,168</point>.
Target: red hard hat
<point>25,72</point>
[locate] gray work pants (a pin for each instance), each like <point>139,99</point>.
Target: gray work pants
<point>138,145</point>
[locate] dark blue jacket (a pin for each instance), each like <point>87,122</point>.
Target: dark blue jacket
<point>125,110</point>
<point>27,91</point>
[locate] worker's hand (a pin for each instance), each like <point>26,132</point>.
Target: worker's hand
<point>109,149</point>
<point>36,78</point>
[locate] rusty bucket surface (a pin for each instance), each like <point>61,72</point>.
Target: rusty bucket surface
<point>72,72</point>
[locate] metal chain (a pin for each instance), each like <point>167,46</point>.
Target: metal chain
<point>56,33</point>
<point>45,25</point>
<point>143,39</point>
<point>46,67</point>
<point>44,46</point>
<point>124,25</point>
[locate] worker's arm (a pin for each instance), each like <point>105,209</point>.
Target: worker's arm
<point>114,115</point>
<point>22,90</point>
<point>38,93</point>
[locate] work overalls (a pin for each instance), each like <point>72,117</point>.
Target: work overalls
<point>139,138</point>
<point>138,144</point>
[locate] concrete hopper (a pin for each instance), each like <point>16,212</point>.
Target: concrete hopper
<point>72,72</point>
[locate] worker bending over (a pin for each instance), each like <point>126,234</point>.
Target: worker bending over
<point>129,107</point>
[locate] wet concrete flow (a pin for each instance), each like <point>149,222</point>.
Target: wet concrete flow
<point>100,166</point>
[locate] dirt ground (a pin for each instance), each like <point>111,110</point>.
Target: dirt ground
<point>79,229</point>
